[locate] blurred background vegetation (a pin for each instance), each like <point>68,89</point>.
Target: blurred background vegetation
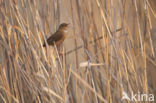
<point>110,50</point>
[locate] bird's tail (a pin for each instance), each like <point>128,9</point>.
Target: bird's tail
<point>44,44</point>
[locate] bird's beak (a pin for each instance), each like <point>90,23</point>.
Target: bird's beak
<point>68,24</point>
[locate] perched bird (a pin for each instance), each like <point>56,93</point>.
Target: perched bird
<point>59,36</point>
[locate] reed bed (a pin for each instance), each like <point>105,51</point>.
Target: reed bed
<point>109,52</point>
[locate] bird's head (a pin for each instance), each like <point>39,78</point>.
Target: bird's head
<point>64,27</point>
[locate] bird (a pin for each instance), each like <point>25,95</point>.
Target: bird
<point>59,36</point>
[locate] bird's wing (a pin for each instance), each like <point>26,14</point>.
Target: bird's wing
<point>56,37</point>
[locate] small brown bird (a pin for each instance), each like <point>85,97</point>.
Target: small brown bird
<point>59,36</point>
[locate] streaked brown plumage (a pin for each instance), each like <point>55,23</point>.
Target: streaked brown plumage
<point>59,36</point>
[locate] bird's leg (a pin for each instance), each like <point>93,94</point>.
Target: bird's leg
<point>59,50</point>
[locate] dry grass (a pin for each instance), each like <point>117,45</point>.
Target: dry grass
<point>110,50</point>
